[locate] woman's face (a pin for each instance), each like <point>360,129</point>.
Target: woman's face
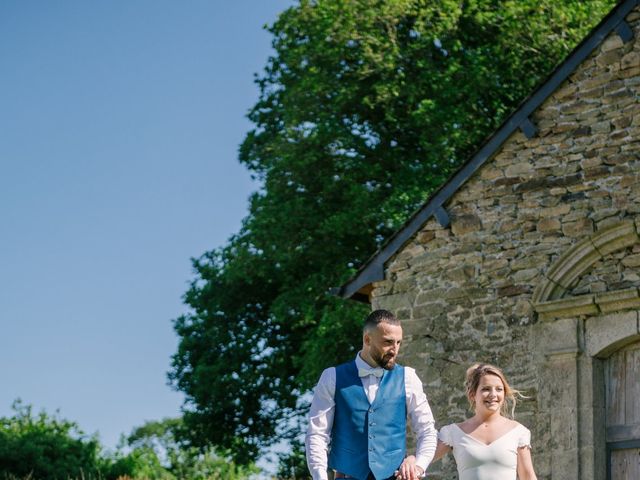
<point>489,396</point>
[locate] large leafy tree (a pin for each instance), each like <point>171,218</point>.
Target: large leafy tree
<point>365,108</point>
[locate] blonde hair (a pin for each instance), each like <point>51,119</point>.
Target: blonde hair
<point>476,372</point>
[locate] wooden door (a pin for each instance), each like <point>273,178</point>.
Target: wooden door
<point>622,377</point>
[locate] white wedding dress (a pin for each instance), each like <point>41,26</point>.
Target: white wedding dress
<point>478,461</point>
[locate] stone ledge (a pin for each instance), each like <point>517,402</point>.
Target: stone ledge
<point>618,300</point>
<point>589,304</point>
<point>567,307</point>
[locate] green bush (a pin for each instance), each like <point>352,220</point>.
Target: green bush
<point>45,447</point>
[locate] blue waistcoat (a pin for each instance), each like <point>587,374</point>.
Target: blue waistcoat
<point>368,437</point>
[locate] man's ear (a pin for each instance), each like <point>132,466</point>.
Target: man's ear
<point>366,338</point>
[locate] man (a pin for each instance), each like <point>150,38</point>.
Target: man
<point>360,408</point>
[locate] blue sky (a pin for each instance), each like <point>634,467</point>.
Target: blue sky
<point>120,123</point>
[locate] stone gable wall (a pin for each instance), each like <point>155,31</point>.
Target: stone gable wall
<point>464,293</point>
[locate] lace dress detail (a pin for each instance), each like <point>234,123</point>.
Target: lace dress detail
<point>477,461</point>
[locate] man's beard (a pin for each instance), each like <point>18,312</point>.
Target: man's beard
<point>387,361</point>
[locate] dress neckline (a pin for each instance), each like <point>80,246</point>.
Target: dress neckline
<point>494,440</point>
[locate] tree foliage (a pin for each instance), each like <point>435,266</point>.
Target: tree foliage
<point>45,447</point>
<point>365,107</point>
<point>167,457</point>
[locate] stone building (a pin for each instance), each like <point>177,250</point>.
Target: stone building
<point>529,258</point>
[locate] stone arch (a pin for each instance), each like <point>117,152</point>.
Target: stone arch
<point>550,297</point>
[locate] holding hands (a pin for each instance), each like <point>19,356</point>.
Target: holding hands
<point>408,470</point>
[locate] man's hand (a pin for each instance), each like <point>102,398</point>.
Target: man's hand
<point>409,470</point>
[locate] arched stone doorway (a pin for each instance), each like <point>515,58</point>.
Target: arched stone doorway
<point>622,392</point>
<point>591,341</point>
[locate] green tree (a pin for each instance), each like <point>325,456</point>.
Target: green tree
<point>159,454</point>
<point>292,465</point>
<point>45,447</point>
<point>365,108</point>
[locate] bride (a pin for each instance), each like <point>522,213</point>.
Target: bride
<point>489,445</point>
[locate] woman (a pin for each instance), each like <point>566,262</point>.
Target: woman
<point>489,445</point>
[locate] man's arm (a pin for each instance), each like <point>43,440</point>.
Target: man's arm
<point>422,422</point>
<point>320,424</point>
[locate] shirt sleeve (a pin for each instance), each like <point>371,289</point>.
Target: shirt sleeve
<point>321,415</point>
<point>524,440</point>
<point>422,421</point>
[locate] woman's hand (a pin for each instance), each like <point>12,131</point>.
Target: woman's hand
<point>408,470</point>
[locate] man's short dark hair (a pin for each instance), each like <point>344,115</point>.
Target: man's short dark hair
<point>379,316</point>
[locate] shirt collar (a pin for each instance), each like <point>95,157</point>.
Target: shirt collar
<point>360,363</point>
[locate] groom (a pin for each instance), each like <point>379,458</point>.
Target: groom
<point>358,416</point>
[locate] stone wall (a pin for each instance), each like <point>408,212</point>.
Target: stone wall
<point>466,293</point>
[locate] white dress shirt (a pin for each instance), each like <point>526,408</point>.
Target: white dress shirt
<point>322,411</point>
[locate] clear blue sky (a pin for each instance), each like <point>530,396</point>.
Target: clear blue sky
<point>120,123</point>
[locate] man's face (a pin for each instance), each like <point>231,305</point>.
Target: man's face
<point>382,344</point>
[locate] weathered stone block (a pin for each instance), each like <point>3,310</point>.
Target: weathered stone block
<point>517,169</point>
<point>605,334</point>
<point>608,58</point>
<point>579,228</point>
<point>596,172</point>
<point>611,43</point>
<point>566,90</point>
<point>559,336</point>
<point>460,274</point>
<point>621,122</point>
<point>623,96</point>
<point>395,302</point>
<point>549,225</point>
<point>631,72</point>
<point>632,261</point>
<point>524,276</point>
<point>513,290</point>
<point>578,106</point>
<point>556,211</point>
<point>602,212</point>
<point>630,60</point>
<point>382,288</point>
<point>619,158</point>
<point>430,296</point>
<point>591,162</point>
<point>464,224</point>
<point>396,266</point>
<point>429,311</point>
<point>491,173</point>
<point>404,285</point>
<point>597,80</point>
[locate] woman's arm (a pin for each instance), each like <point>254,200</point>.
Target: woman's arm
<point>441,450</point>
<point>525,465</point>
